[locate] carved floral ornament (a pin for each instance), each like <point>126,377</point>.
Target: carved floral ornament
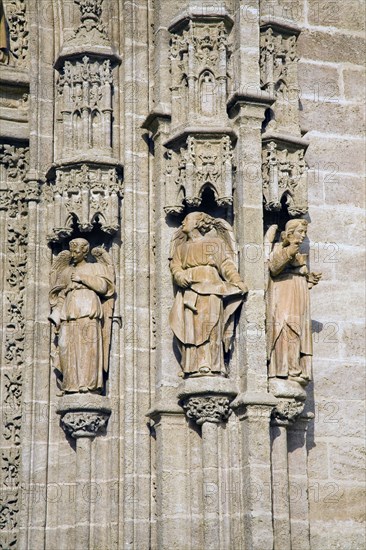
<point>84,424</point>
<point>286,412</point>
<point>13,32</point>
<point>13,198</point>
<point>91,27</point>
<point>211,408</point>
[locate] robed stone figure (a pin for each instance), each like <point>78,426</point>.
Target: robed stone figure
<point>82,299</point>
<point>289,338</point>
<point>208,292</point>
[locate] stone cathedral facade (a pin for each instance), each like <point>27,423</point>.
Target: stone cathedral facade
<point>176,178</point>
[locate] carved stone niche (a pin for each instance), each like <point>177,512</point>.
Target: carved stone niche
<point>204,162</point>
<point>207,399</point>
<point>86,193</point>
<point>84,415</point>
<point>284,175</point>
<point>200,59</point>
<point>279,74</point>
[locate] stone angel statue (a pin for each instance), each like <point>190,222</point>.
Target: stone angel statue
<point>289,340</point>
<point>82,302</point>
<point>203,262</point>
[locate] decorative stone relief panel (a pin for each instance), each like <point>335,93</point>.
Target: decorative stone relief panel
<point>85,106</point>
<point>14,27</point>
<point>85,194</point>
<point>91,27</point>
<point>278,63</point>
<point>200,59</point>
<point>13,165</point>
<point>202,163</point>
<point>284,176</point>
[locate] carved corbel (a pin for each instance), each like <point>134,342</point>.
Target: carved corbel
<point>84,415</point>
<point>207,408</point>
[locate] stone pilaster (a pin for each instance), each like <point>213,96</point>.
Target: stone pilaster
<point>84,417</point>
<point>254,411</point>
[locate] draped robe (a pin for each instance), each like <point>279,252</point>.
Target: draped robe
<point>81,343</point>
<point>202,315</point>
<point>289,340</point>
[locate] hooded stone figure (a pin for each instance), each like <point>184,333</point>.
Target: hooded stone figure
<point>82,298</point>
<point>209,290</point>
<point>289,340</point>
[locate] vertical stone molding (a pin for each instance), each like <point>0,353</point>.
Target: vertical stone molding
<point>287,412</point>
<point>206,401</point>
<point>14,162</point>
<point>254,411</point>
<point>83,418</point>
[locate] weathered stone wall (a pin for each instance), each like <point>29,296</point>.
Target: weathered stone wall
<point>332,85</point>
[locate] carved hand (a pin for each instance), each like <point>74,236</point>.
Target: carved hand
<point>243,287</point>
<point>183,280</point>
<point>314,278</point>
<point>292,249</point>
<point>75,278</point>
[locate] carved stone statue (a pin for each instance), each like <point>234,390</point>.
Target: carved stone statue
<point>209,290</point>
<point>289,344</point>
<point>82,300</point>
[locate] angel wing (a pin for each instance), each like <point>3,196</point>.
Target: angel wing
<point>226,233</point>
<point>104,258</point>
<point>61,262</point>
<point>178,238</point>
<point>269,240</point>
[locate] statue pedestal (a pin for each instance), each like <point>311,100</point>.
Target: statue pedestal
<point>84,414</point>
